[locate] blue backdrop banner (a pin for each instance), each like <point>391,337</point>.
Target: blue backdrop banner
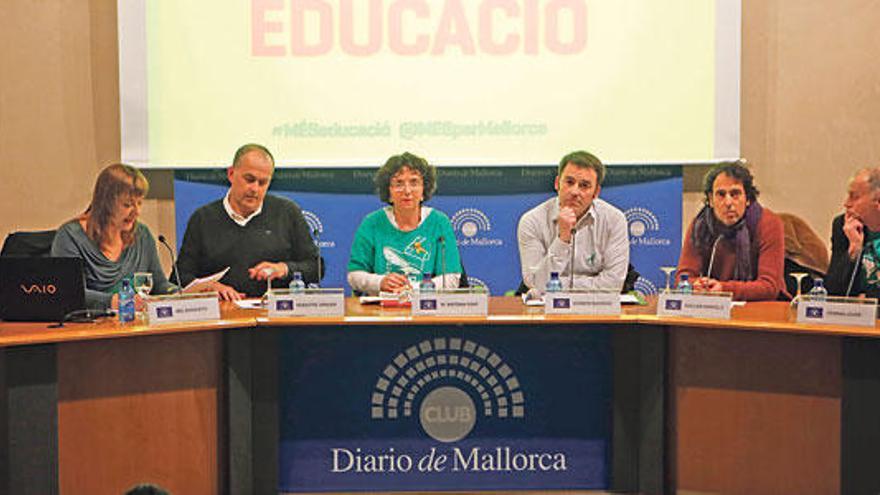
<point>484,205</point>
<point>435,408</point>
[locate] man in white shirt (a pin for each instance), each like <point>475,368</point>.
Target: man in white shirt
<point>575,218</point>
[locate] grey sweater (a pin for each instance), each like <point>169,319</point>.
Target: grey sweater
<point>102,275</point>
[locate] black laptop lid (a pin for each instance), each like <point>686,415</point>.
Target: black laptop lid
<point>40,288</point>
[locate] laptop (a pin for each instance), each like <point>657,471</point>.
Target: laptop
<point>40,288</point>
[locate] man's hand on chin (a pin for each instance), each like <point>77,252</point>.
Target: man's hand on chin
<point>854,230</point>
<point>566,221</point>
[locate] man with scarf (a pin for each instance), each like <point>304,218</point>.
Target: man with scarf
<point>734,244</point>
<point>855,239</point>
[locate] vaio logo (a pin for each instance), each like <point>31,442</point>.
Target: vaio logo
<point>38,289</point>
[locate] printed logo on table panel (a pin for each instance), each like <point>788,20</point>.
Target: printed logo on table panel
<point>643,228</point>
<point>472,227</point>
<point>673,304</point>
<point>449,384</point>
<point>317,226</point>
<point>561,303</point>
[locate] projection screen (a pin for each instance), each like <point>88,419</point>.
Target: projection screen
<point>462,82</point>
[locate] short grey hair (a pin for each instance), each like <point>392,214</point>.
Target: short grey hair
<point>873,175</point>
<point>247,148</point>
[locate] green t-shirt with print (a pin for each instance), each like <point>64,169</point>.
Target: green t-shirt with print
<point>871,263</point>
<point>380,247</point>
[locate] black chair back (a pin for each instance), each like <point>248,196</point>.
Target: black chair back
<point>28,243</point>
<point>792,266</point>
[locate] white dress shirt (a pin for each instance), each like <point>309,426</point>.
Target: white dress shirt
<point>601,247</point>
<point>239,219</point>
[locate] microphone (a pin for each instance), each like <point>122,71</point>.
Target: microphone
<point>712,257</point>
<point>173,262</point>
<point>317,235</point>
<point>571,261</point>
<point>442,242</point>
<point>852,277</point>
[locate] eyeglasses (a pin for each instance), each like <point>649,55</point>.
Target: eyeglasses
<point>399,185</point>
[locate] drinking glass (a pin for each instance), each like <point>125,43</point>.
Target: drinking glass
<point>798,276</point>
<point>668,271</point>
<point>143,283</point>
<point>265,299</point>
<point>414,280</point>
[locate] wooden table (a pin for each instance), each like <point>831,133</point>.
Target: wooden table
<point>99,407</point>
<point>755,404</point>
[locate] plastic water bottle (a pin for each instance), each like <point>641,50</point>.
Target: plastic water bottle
<point>818,293</point>
<point>684,284</point>
<point>554,284</point>
<point>427,285</point>
<point>297,285</point>
<point>126,302</point>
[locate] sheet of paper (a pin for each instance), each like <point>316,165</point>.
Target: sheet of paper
<point>383,296</point>
<point>532,301</point>
<point>199,282</point>
<point>249,304</point>
<point>628,299</point>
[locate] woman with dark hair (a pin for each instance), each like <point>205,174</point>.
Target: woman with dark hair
<point>734,244</point>
<point>406,239</point>
<point>108,237</point>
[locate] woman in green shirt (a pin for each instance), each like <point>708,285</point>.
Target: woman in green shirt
<point>405,240</point>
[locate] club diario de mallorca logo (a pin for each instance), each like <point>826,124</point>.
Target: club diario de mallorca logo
<point>643,227</point>
<point>445,387</point>
<point>441,372</point>
<point>473,227</point>
<point>316,225</point>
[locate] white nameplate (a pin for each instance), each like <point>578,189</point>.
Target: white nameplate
<point>582,303</point>
<point>697,305</point>
<point>184,307</point>
<point>829,312</point>
<point>310,302</point>
<point>452,303</point>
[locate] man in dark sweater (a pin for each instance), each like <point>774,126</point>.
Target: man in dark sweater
<point>258,236</point>
<point>855,239</point>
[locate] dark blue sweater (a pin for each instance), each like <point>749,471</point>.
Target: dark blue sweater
<point>214,241</point>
